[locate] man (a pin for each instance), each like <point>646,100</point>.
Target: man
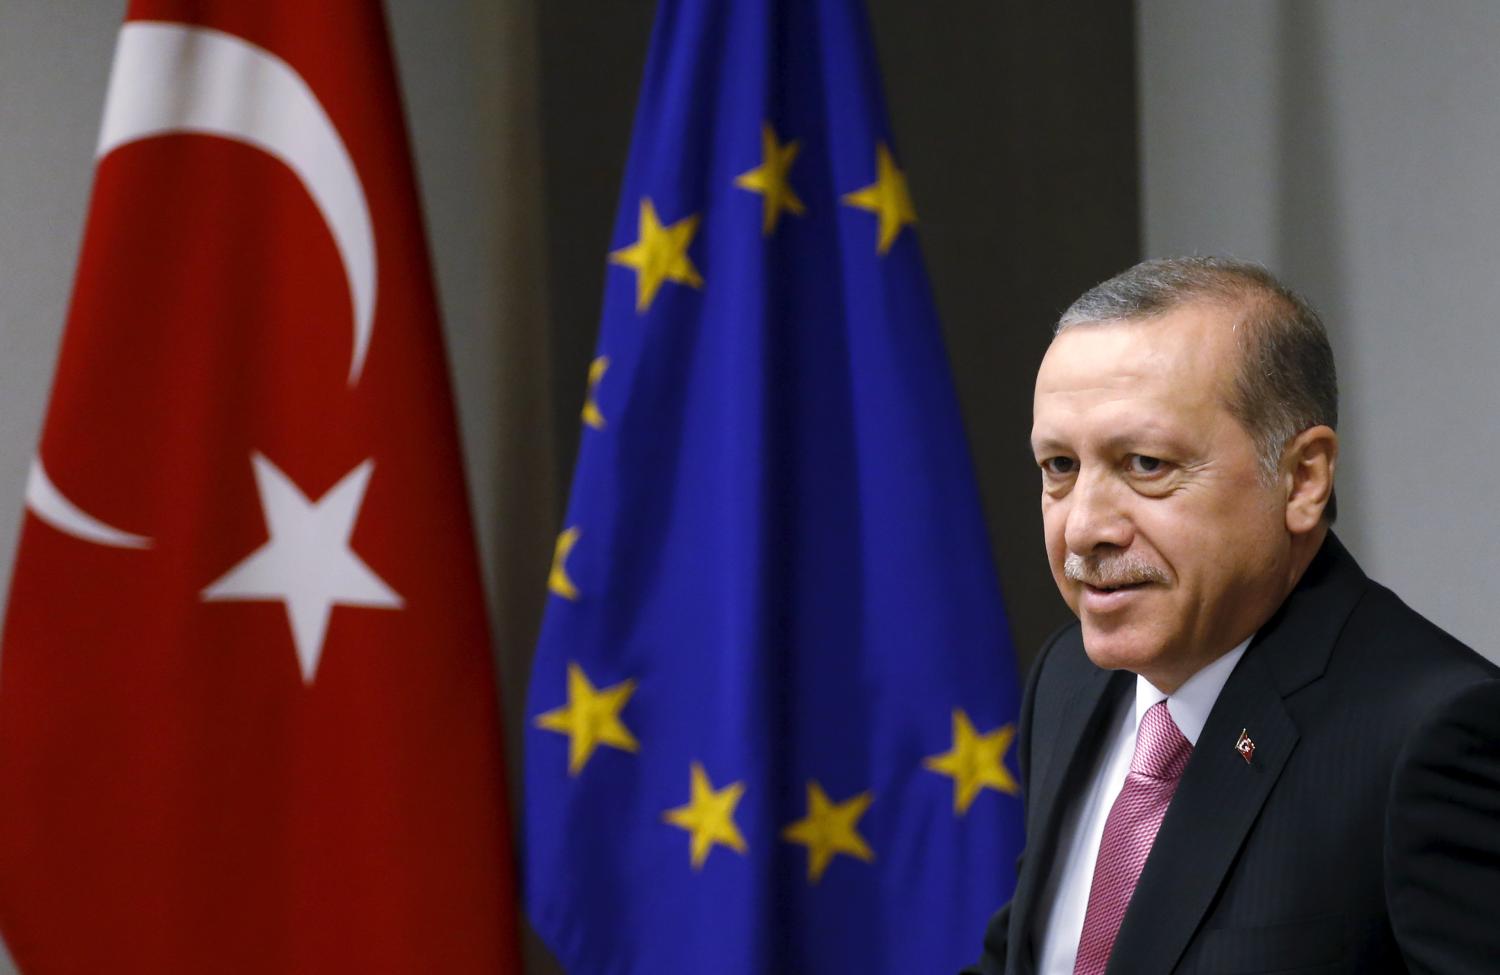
<point>1245,756</point>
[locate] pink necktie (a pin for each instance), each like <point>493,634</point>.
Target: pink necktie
<point>1161,753</point>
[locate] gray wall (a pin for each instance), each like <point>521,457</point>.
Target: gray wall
<point>53,65</point>
<point>1351,145</point>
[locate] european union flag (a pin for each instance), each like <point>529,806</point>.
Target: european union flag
<point>771,713</point>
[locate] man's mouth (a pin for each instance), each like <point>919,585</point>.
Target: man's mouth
<point>1114,587</point>
<point>1109,598</point>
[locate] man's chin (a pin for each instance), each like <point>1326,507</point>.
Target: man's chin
<point>1118,648</point>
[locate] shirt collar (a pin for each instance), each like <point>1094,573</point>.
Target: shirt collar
<point>1190,704</point>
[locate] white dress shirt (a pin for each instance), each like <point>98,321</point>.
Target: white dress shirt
<point>1066,896</point>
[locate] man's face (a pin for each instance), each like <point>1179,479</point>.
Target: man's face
<point>1161,534</point>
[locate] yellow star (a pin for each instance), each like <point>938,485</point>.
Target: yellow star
<point>557,579</point>
<point>590,718</point>
<point>975,762</point>
<point>709,816</point>
<point>591,414</point>
<point>659,255</point>
<point>828,829</point>
<point>887,197</point>
<point>769,178</point>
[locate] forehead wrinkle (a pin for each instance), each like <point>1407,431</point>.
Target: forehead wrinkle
<point>1128,352</point>
<point>1149,382</point>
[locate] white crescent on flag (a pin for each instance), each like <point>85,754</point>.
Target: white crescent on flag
<point>176,78</point>
<point>53,507</point>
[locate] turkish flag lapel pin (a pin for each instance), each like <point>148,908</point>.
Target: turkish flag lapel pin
<point>1245,746</point>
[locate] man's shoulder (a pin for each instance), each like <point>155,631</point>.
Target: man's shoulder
<point>1341,629</point>
<point>1350,658</point>
<point>1384,624</point>
<point>1401,655</point>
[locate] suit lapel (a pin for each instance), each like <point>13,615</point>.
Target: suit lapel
<point>1221,794</point>
<point>1067,760</point>
<point>1217,800</point>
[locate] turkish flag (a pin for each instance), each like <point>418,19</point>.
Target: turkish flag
<point>248,712</point>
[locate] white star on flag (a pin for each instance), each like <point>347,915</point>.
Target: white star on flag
<point>307,563</point>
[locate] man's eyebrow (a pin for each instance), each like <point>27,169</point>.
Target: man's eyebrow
<point>1042,445</point>
<point>1153,434</point>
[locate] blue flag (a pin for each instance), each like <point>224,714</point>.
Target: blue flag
<point>770,719</point>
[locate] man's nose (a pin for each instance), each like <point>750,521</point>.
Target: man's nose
<point>1096,514</point>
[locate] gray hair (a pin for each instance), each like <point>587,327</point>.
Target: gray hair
<point>1286,382</point>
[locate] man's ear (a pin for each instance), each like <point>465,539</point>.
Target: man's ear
<point>1307,467</point>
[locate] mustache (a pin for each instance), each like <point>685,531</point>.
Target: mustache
<point>1111,570</point>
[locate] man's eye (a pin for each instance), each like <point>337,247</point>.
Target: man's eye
<point>1143,464</point>
<point>1059,466</point>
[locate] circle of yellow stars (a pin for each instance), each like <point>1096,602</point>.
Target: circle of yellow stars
<point>659,253</point>
<point>593,716</point>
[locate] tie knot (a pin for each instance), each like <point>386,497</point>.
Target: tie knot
<point>1161,751</point>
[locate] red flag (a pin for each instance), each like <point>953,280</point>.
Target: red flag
<point>248,719</point>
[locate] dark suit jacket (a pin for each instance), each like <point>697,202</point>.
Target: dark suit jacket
<point>1281,864</point>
